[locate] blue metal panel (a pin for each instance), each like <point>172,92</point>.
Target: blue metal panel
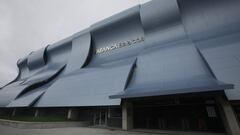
<point>23,68</point>
<point>204,19</point>
<point>198,85</point>
<point>58,53</point>
<point>45,74</point>
<point>168,61</point>
<point>27,99</point>
<point>36,59</point>
<point>214,27</point>
<point>12,91</point>
<point>162,24</point>
<point>222,55</point>
<point>80,51</point>
<point>172,69</point>
<point>159,13</point>
<point>121,28</point>
<point>87,87</point>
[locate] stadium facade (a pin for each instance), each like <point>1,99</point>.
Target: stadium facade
<point>165,64</point>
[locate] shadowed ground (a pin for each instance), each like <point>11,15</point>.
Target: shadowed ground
<point>4,130</point>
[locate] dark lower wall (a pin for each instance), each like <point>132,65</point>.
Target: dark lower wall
<point>6,112</point>
<point>53,112</point>
<point>86,114</point>
<point>114,122</point>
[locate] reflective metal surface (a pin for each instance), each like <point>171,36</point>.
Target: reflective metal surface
<point>186,47</point>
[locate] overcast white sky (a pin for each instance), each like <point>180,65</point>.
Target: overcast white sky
<point>27,25</point>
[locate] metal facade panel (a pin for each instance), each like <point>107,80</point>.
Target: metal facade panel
<point>168,61</point>
<point>124,28</point>
<point>201,85</point>
<point>222,55</point>
<point>45,74</point>
<point>172,69</point>
<point>27,99</point>
<point>204,19</point>
<point>80,52</point>
<point>162,24</point>
<point>12,91</point>
<point>22,68</point>
<point>87,87</point>
<point>159,13</point>
<point>36,59</point>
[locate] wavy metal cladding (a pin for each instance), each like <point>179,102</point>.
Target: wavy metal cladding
<point>87,87</point>
<point>29,98</point>
<point>36,59</point>
<point>80,52</point>
<point>214,27</point>
<point>100,77</point>
<point>180,69</point>
<point>121,28</point>
<point>158,48</point>
<point>10,92</point>
<point>170,62</point>
<point>37,75</point>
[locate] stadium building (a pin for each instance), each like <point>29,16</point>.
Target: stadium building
<point>165,64</point>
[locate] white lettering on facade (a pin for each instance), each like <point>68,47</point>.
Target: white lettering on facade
<point>119,45</point>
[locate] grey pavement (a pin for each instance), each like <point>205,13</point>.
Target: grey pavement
<point>5,130</point>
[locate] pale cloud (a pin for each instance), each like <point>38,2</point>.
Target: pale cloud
<point>27,25</point>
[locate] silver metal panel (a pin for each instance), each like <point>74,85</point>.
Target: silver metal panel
<point>122,28</point>
<point>198,84</point>
<point>27,99</point>
<point>58,53</point>
<point>173,69</point>
<point>23,68</point>
<point>45,74</point>
<point>30,97</point>
<point>204,19</point>
<point>168,61</point>
<point>80,51</point>
<point>222,55</point>
<point>12,91</point>
<point>162,24</point>
<point>87,87</point>
<point>36,59</point>
<point>159,13</point>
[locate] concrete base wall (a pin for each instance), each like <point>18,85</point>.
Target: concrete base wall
<point>40,125</point>
<point>228,116</point>
<point>127,116</point>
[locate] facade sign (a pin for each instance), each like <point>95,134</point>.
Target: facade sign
<point>119,45</point>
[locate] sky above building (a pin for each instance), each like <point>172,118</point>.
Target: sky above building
<point>28,25</point>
